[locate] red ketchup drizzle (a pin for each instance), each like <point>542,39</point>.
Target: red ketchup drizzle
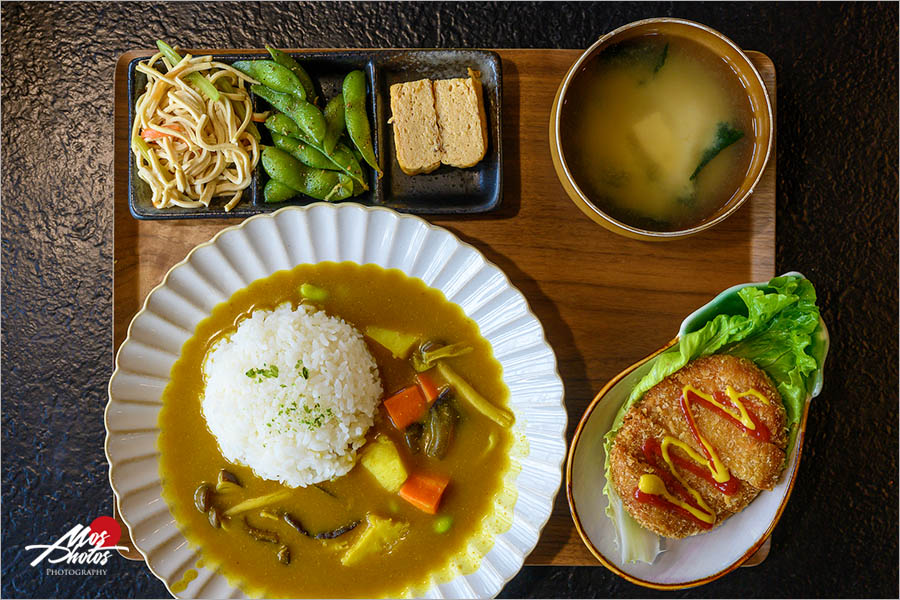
<point>653,450</point>
<point>666,505</point>
<point>761,433</point>
<point>653,453</point>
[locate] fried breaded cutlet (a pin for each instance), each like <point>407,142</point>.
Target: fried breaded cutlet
<point>753,464</point>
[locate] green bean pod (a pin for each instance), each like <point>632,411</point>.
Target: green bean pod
<point>273,76</point>
<point>275,191</point>
<point>316,183</point>
<point>342,158</point>
<point>357,120</point>
<point>334,120</point>
<point>307,117</point>
<point>305,80</point>
<point>303,152</point>
<point>202,83</point>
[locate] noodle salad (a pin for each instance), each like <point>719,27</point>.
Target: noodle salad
<point>194,137</point>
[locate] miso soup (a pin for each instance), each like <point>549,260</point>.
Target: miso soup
<point>658,132</point>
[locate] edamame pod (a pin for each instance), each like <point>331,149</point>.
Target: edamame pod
<point>334,120</point>
<point>347,162</point>
<point>345,141</point>
<point>307,117</point>
<point>316,183</point>
<point>356,118</point>
<point>342,158</point>
<point>273,76</point>
<point>305,80</point>
<point>343,190</point>
<point>305,153</point>
<point>358,189</point>
<point>275,191</point>
<point>283,125</point>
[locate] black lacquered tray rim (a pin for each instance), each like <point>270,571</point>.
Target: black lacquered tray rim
<point>374,60</point>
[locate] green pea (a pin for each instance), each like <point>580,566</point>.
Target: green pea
<point>316,183</point>
<point>275,191</point>
<point>273,76</point>
<point>287,61</point>
<point>334,120</point>
<point>307,117</point>
<point>443,524</point>
<point>312,292</point>
<point>305,153</point>
<point>357,120</point>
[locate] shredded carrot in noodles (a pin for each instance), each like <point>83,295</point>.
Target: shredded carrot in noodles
<point>199,149</point>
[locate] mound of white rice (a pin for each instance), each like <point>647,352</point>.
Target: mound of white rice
<point>291,394</point>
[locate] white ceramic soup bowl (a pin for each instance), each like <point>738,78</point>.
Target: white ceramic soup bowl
<point>744,71</point>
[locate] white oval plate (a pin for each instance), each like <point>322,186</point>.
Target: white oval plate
<point>694,560</point>
<point>264,244</point>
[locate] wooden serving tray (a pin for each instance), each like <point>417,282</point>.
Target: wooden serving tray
<point>605,301</point>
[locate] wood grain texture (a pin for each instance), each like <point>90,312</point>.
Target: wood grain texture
<point>604,300</point>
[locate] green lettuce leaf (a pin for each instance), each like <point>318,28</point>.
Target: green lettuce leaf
<point>774,327</point>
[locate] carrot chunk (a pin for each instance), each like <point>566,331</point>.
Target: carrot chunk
<point>428,387</point>
<point>151,134</point>
<point>424,491</point>
<point>406,407</point>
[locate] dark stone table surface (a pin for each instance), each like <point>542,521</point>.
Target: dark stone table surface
<point>837,203</point>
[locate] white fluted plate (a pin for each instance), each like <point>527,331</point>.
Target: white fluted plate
<point>267,243</point>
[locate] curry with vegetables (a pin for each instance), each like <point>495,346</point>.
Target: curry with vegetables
<point>431,486</point>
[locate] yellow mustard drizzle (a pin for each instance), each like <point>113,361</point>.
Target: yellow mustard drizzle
<point>751,392</point>
<point>741,413</point>
<point>716,467</point>
<point>652,484</point>
<point>673,441</point>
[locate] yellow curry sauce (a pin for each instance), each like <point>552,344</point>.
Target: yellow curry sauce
<point>477,462</point>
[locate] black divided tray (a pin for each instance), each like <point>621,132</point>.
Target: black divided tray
<point>446,190</point>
